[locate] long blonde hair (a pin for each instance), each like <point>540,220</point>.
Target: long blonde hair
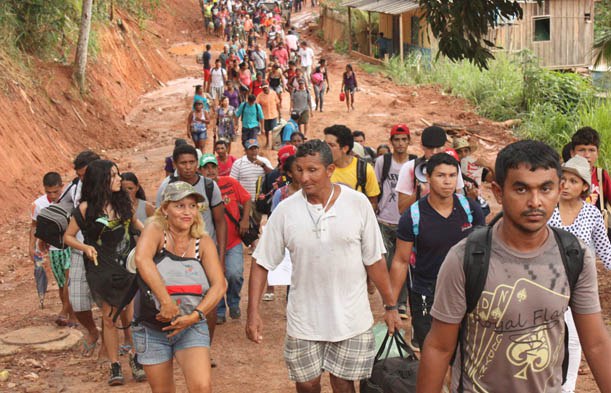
<point>198,228</point>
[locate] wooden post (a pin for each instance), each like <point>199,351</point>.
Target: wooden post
<point>369,24</point>
<point>349,29</point>
<point>401,36</point>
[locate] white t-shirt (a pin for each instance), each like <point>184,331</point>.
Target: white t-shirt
<point>388,204</point>
<point>40,203</point>
<point>471,169</point>
<point>217,77</point>
<point>307,56</point>
<point>405,183</point>
<point>328,300</point>
<point>291,41</point>
<point>247,173</point>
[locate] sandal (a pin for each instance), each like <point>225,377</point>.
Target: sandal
<point>124,349</point>
<point>88,348</point>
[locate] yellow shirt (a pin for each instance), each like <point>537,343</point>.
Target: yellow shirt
<point>348,177</point>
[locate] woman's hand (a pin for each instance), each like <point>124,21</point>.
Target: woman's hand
<point>167,312</point>
<point>181,323</point>
<point>91,253</point>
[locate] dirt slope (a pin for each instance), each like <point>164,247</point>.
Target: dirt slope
<point>44,124</point>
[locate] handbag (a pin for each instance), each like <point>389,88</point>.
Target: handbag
<point>253,228</point>
<point>342,96</point>
<point>395,374</point>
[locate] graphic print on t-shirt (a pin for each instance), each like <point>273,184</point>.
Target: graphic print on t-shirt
<point>513,325</point>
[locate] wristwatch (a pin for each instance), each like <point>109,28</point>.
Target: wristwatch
<point>200,314</point>
<point>391,308</point>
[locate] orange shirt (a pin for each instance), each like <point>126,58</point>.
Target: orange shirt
<point>269,104</point>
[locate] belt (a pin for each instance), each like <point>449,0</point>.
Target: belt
<point>388,224</point>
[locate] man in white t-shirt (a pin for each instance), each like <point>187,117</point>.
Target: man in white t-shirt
<point>409,190</point>
<point>59,259</point>
<point>306,56</point>
<point>335,244</point>
<point>387,168</point>
<point>218,78</point>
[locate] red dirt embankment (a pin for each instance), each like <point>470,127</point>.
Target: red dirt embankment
<point>45,121</point>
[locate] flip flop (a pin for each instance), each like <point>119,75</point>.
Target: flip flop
<point>88,349</point>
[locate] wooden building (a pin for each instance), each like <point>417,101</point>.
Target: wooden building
<point>559,32</point>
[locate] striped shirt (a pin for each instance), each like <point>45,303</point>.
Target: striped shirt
<point>247,173</point>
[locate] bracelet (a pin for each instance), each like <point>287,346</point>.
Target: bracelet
<point>391,308</point>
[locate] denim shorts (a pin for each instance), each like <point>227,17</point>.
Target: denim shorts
<point>199,135</point>
<point>154,347</point>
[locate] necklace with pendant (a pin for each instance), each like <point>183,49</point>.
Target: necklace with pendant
<point>316,222</point>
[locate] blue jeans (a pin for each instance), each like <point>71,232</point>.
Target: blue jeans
<point>234,273</point>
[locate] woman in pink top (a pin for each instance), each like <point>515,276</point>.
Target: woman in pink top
<point>245,81</point>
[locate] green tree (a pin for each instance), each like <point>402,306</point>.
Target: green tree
<point>460,26</point>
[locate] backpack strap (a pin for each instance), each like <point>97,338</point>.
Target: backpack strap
<point>464,202</point>
<point>475,265</point>
<point>209,189</point>
<point>601,188</point>
<point>361,174</point>
<point>414,211</point>
<point>572,255</point>
<point>385,171</point>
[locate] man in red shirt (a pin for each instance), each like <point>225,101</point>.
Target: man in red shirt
<point>224,159</point>
<point>235,197</point>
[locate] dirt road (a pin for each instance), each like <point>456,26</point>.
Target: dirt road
<point>161,114</point>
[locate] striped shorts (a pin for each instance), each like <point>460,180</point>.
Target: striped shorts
<point>350,359</point>
<point>60,262</point>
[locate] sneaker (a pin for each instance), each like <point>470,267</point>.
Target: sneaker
<point>116,375</point>
<point>220,319</point>
<point>268,297</point>
<point>403,311</point>
<point>413,343</point>
<point>235,312</point>
<point>137,370</point>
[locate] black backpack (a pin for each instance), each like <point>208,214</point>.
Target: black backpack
<point>53,220</point>
<point>386,169</point>
<point>477,260</point>
<point>361,175</point>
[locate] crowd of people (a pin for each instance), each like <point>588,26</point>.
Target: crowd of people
<point>353,219</point>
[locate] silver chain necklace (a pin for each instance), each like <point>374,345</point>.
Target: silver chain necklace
<point>316,229</point>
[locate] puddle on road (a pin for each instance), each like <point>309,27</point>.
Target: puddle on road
<point>186,48</point>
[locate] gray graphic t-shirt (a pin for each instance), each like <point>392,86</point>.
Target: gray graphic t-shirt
<point>515,336</point>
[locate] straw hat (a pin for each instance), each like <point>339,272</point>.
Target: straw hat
<point>579,166</point>
<point>461,143</point>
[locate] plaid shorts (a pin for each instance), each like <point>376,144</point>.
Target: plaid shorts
<point>78,289</point>
<point>350,359</point>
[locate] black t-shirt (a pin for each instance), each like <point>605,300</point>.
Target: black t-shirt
<point>436,235</point>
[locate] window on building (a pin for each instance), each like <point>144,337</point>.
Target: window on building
<point>542,29</point>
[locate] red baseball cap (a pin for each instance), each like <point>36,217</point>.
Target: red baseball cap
<point>453,153</point>
<point>285,152</point>
<point>399,129</point>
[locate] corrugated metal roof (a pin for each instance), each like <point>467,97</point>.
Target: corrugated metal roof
<point>392,7</point>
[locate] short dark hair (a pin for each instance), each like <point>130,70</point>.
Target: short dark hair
<point>288,164</point>
<point>534,154</point>
<point>566,152</point>
<point>51,179</point>
<point>357,133</point>
<point>183,149</point>
<point>440,159</point>
<point>343,135</point>
<point>84,158</point>
<point>586,136</point>
<point>299,134</point>
<point>252,98</point>
<point>220,142</point>
<point>208,47</point>
<point>314,147</point>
